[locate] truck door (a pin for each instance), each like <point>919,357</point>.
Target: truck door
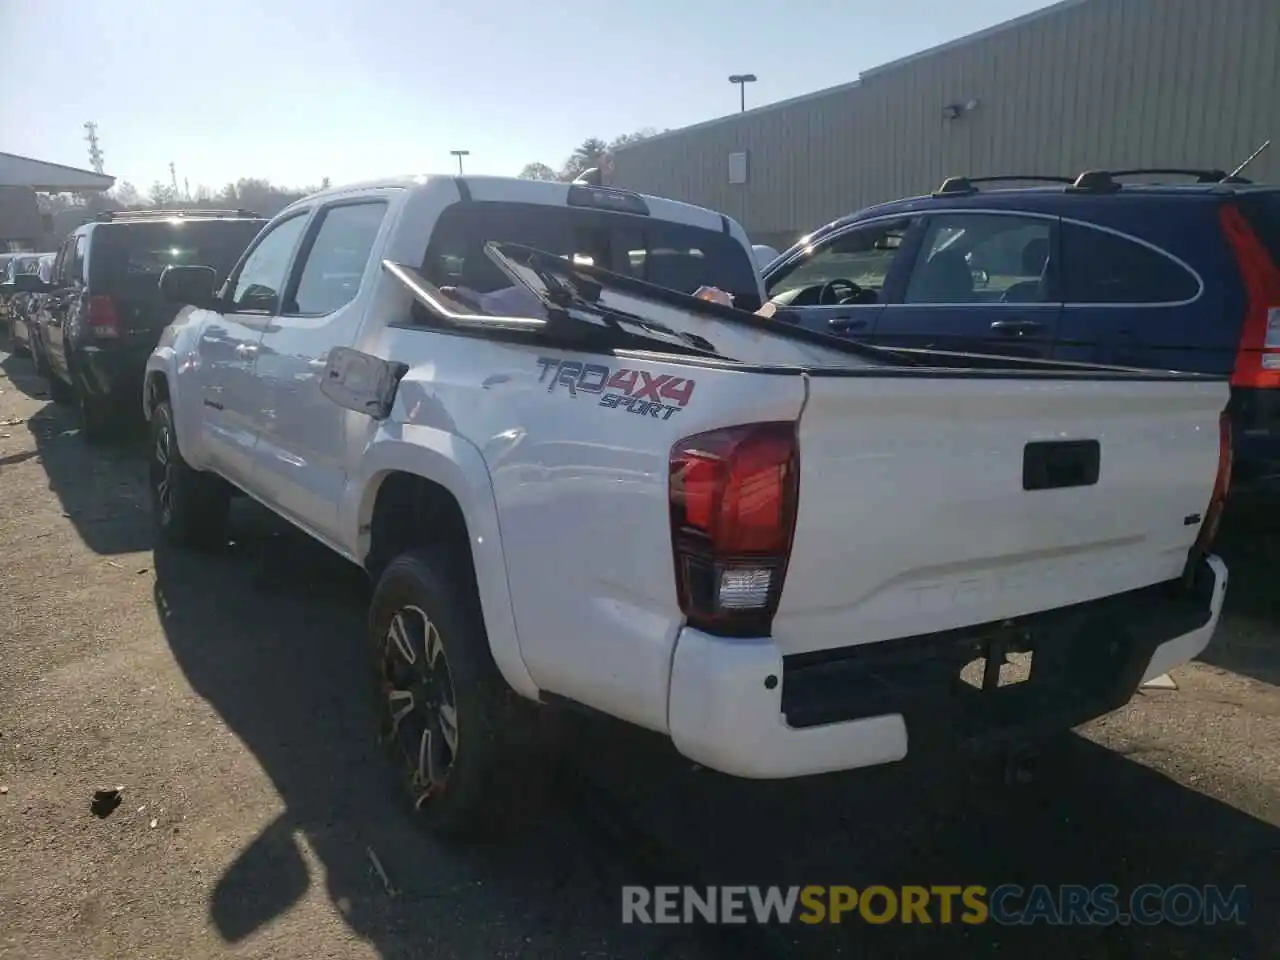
<point>233,402</point>
<point>300,461</point>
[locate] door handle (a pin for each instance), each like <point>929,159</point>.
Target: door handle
<point>847,323</point>
<point>1016,328</point>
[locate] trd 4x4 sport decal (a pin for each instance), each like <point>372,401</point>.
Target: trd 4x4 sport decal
<point>636,391</point>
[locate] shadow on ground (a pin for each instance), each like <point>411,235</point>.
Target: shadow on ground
<point>269,631</point>
<point>22,374</point>
<point>283,665</point>
<point>102,489</point>
<point>1250,545</point>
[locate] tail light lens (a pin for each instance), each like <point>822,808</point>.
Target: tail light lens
<point>103,319</point>
<point>1221,487</point>
<point>1258,358</point>
<point>733,496</point>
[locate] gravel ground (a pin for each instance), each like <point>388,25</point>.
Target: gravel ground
<point>225,695</point>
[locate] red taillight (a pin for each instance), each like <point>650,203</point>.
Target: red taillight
<point>733,508</point>
<point>1258,359</point>
<point>1221,487</point>
<point>103,320</point>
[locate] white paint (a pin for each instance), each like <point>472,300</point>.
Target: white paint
<point>912,518</point>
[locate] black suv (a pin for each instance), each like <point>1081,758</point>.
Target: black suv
<point>103,312</point>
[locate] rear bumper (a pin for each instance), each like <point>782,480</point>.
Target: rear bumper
<point>741,707</point>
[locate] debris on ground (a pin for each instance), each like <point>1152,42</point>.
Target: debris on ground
<point>105,802</point>
<point>382,874</point>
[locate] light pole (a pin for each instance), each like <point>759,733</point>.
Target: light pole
<point>460,154</point>
<point>742,79</point>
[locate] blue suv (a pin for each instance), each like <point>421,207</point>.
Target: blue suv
<point>1182,276</point>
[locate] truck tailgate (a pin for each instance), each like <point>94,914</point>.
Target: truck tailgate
<point>914,516</point>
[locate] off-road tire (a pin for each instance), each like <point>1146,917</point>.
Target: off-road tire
<point>494,772</point>
<point>198,503</point>
<point>99,421</point>
<point>62,392</point>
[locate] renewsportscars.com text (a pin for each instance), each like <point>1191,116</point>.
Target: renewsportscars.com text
<point>1007,904</point>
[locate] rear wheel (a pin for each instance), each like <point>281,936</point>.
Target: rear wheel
<point>60,390</point>
<point>446,715</point>
<point>38,358</point>
<point>98,421</point>
<point>189,508</point>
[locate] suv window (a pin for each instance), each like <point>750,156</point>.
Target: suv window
<point>337,259</point>
<point>672,255</point>
<point>861,255</point>
<point>262,275</point>
<point>131,256</point>
<point>1103,267</point>
<point>983,258</point>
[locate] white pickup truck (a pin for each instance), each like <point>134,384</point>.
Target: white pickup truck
<point>777,548</point>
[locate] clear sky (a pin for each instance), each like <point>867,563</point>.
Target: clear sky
<point>296,90</point>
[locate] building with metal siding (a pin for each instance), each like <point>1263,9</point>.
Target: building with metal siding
<point>1081,84</point>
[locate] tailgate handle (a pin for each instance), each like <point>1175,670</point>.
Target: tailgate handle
<point>1057,464</point>
<point>1015,328</point>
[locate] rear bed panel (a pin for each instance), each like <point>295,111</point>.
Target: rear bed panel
<point>913,517</point>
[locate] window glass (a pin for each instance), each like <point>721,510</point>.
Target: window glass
<point>1102,267</point>
<point>673,255</point>
<point>131,256</point>
<point>862,256</point>
<point>75,271</point>
<point>982,258</point>
<point>331,275</point>
<point>263,274</point>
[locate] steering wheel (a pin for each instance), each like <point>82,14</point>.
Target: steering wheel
<point>851,290</point>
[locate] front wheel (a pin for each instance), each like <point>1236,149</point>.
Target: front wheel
<point>446,714</point>
<point>189,508</point>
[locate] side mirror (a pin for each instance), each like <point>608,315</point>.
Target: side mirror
<point>981,278</point>
<point>29,283</point>
<point>190,285</point>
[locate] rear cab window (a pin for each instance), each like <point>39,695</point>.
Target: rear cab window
<point>672,255</point>
<point>133,255</point>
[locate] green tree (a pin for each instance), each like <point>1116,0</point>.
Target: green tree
<point>590,153</point>
<point>537,171</point>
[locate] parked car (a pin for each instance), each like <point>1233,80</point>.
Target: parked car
<point>1182,276</point>
<point>23,307</point>
<point>104,311</point>
<point>777,547</point>
<point>10,297</point>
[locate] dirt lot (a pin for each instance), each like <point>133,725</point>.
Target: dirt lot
<point>226,694</point>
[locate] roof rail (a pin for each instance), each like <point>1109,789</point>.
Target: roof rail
<point>109,216</point>
<point>1094,181</point>
<point>1202,176</point>
<point>964,186</point>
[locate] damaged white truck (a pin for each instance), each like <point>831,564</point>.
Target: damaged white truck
<point>777,548</point>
